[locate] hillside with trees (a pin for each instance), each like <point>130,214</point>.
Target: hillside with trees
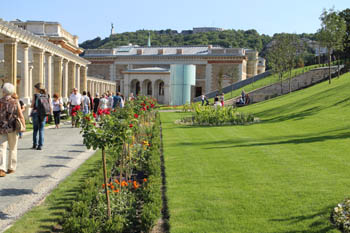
<point>227,38</point>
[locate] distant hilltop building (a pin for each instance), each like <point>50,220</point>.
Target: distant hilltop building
<point>155,71</point>
<point>207,29</point>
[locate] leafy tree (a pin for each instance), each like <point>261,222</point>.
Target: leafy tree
<point>345,14</point>
<point>277,58</point>
<point>293,49</point>
<point>331,33</point>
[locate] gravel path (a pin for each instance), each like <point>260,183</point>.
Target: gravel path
<point>38,172</point>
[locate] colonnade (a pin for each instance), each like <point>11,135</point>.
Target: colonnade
<point>27,59</point>
<point>100,86</point>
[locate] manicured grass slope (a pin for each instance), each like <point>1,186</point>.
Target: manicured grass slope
<point>282,175</point>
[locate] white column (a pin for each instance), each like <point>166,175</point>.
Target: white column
<point>30,88</point>
<point>25,86</point>
<point>208,78</point>
<point>48,71</point>
<point>112,73</point>
<point>77,81</point>
<point>65,80</point>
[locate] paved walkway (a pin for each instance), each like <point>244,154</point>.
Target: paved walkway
<point>38,172</point>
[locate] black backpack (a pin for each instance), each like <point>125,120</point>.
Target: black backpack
<point>43,105</point>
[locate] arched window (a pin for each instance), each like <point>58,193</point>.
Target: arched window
<point>149,88</point>
<point>137,88</point>
<point>161,89</point>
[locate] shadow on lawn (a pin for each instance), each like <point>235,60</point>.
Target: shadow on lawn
<point>165,227</point>
<point>302,140</point>
<point>295,116</point>
<point>63,201</point>
<point>293,138</point>
<point>321,224</point>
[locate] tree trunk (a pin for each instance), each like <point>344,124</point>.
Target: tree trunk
<point>105,180</point>
<point>281,78</point>
<point>338,62</point>
<point>290,80</point>
<point>329,67</point>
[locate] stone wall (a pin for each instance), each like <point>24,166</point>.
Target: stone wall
<point>99,70</point>
<point>227,70</point>
<point>119,69</point>
<point>200,71</point>
<point>301,81</point>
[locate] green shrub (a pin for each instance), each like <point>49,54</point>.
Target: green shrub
<point>207,115</point>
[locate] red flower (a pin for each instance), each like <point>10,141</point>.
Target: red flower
<point>152,105</point>
<point>147,107</point>
<point>136,116</point>
<point>106,111</point>
<point>94,115</point>
<point>87,118</point>
<point>74,114</point>
<point>99,112</point>
<point>76,108</point>
<point>94,123</point>
<point>143,109</point>
<point>130,125</point>
<point>143,104</point>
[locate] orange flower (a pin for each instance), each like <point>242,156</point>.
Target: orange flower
<point>129,181</point>
<point>144,180</point>
<point>116,181</point>
<point>112,186</point>
<point>136,185</point>
<point>103,185</point>
<point>116,191</point>
<point>124,184</point>
<point>107,191</point>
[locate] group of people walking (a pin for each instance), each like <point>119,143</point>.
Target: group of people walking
<point>42,105</point>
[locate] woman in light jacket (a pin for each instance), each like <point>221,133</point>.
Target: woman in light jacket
<point>10,110</point>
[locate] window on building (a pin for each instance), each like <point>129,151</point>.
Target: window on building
<point>149,88</point>
<point>161,89</point>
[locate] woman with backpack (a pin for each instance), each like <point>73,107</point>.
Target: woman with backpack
<point>10,111</point>
<point>41,108</point>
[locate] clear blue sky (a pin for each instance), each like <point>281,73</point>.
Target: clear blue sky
<point>91,18</point>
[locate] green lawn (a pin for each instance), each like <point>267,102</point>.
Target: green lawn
<point>44,217</point>
<point>284,174</point>
<point>266,81</point>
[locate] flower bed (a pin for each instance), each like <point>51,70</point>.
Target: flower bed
<point>125,195</point>
<point>207,115</point>
<point>340,216</point>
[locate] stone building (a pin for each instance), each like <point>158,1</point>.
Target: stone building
<point>129,65</point>
<point>37,51</point>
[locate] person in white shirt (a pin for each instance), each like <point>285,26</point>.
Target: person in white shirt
<point>110,100</point>
<point>103,102</point>
<point>74,100</point>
